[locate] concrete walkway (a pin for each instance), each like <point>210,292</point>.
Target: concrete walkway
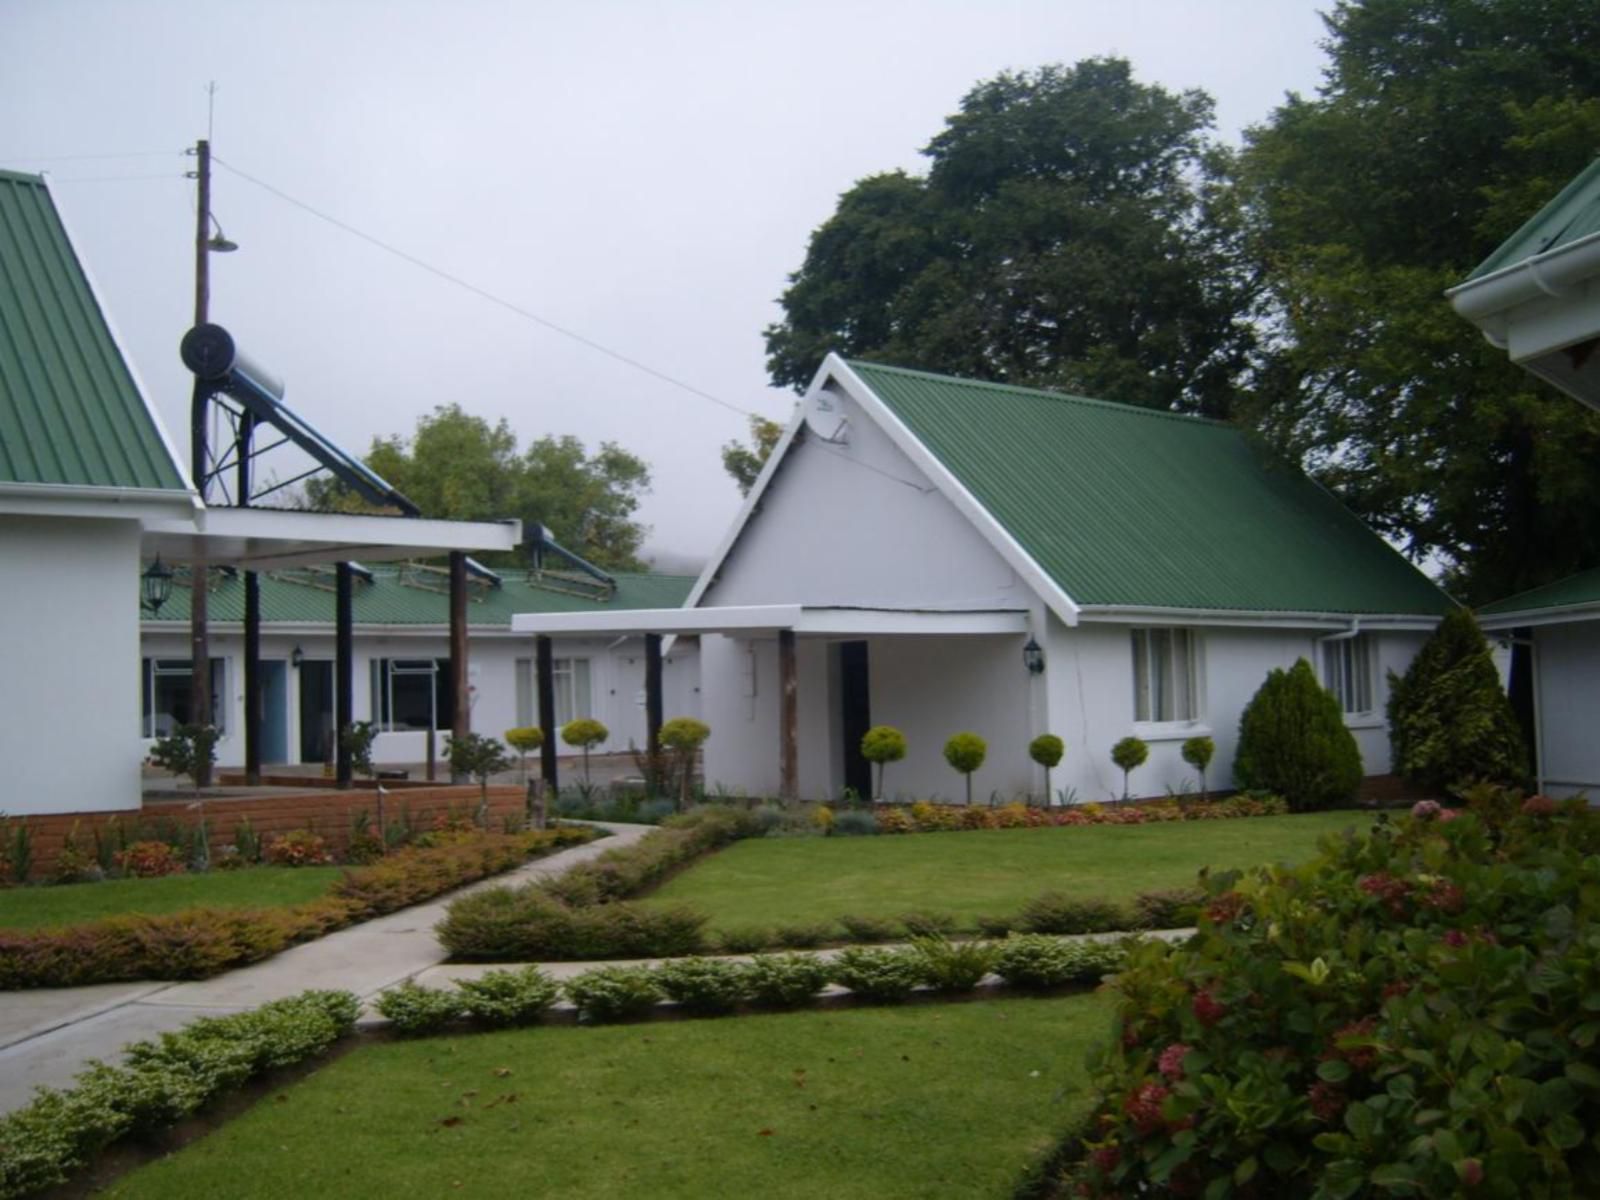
<point>48,1035</point>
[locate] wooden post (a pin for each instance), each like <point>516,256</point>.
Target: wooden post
<point>252,678</point>
<point>461,699</point>
<point>788,717</point>
<point>652,711</point>
<point>203,711</point>
<point>547,717</point>
<point>344,670</point>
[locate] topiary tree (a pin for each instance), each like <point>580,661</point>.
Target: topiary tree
<point>1293,741</point>
<point>1449,720</point>
<point>1198,753</point>
<point>478,756</point>
<point>966,752</point>
<point>1129,753</point>
<point>683,737</point>
<point>882,744</point>
<point>1046,750</point>
<point>525,739</point>
<point>189,750</point>
<point>584,732</point>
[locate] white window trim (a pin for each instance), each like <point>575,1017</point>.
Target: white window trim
<point>1192,726</point>
<point>1371,717</point>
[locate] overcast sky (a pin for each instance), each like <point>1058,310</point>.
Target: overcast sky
<point>645,175</point>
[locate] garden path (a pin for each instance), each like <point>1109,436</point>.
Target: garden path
<point>49,1034</point>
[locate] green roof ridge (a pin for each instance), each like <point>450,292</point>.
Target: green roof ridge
<point>1572,205</point>
<point>1581,587</point>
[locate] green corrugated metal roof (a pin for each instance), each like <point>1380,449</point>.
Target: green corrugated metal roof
<point>1131,506</point>
<point>1573,214</point>
<point>70,412</point>
<point>287,599</point>
<point>1582,588</point>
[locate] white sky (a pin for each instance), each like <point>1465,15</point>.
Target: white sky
<point>644,174</point>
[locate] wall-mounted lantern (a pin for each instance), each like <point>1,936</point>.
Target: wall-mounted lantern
<point>296,657</point>
<point>1033,657</point>
<point>155,586</point>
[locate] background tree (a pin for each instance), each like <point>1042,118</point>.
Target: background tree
<point>1072,232</point>
<point>744,462</point>
<point>1443,125</point>
<point>459,466</point>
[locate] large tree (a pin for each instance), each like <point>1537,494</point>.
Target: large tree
<point>460,466</point>
<point>1442,125</point>
<point>1071,232</point>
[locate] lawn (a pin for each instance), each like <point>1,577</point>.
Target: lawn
<point>769,881</point>
<point>253,887</point>
<point>926,1100</point>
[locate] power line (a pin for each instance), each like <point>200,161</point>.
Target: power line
<point>33,158</point>
<point>485,294</point>
<point>110,178</point>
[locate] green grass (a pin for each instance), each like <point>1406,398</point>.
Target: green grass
<point>989,872</point>
<point>922,1101</point>
<point>253,887</point>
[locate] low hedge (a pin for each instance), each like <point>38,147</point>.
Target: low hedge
<point>202,942</point>
<point>924,817</point>
<point>1414,1013</point>
<point>160,1084</point>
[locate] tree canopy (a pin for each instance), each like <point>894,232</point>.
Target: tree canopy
<point>1072,232</point>
<point>459,466</point>
<point>744,462</point>
<point>1442,126</point>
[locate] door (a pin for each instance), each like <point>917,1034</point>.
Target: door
<point>274,711</point>
<point>316,710</point>
<point>855,716</point>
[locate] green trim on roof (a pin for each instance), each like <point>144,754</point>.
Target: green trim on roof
<point>70,411</point>
<point>1573,214</point>
<point>287,600</point>
<point>1132,507</point>
<point>1582,588</point>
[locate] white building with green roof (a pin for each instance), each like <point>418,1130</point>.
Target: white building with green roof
<point>943,555</point>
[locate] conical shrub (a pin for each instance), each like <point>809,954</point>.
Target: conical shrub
<point>1293,741</point>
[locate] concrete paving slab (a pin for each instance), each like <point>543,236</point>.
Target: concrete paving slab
<point>28,1014</point>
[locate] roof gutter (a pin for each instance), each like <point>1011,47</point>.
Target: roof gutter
<point>1343,634</point>
<point>1553,274</point>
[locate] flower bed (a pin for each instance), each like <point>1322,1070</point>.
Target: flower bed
<point>203,942</point>
<point>162,1082</point>
<point>923,817</point>
<point>1416,1012</point>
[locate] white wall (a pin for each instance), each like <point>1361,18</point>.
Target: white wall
<point>69,645</point>
<point>1569,701</point>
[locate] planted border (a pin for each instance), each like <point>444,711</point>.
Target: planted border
<point>202,942</point>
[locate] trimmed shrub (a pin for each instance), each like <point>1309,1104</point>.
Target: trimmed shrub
<point>1046,750</point>
<point>149,860</point>
<point>881,745</point>
<point>803,935</point>
<point>525,923</point>
<point>504,999</point>
<point>954,966</point>
<point>1198,753</point>
<point>1293,741</point>
<point>923,923</point>
<point>965,753</point>
<point>1449,720</point>
<point>585,733</point>
<point>613,993</point>
<point>873,973</point>
<point>744,939</point>
<point>416,1011</point>
<point>1167,908</point>
<point>704,985</point>
<point>1054,913</point>
<point>298,848</point>
<point>861,928</point>
<point>786,980</point>
<point>1129,754</point>
<point>682,738</point>
<point>854,822</point>
<point>1411,1013</point>
<point>1032,960</point>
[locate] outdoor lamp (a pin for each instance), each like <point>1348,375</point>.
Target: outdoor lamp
<point>296,657</point>
<point>219,243</point>
<point>1033,657</point>
<point>155,585</point>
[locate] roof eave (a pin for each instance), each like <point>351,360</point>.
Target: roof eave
<point>1555,614</point>
<point>1553,274</point>
<point>1124,614</point>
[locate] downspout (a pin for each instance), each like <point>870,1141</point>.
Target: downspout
<point>1538,719</point>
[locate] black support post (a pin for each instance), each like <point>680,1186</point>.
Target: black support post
<point>652,708</point>
<point>252,678</point>
<point>547,715</point>
<point>461,699</point>
<point>344,669</point>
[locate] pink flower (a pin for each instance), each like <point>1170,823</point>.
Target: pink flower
<point>1454,938</point>
<point>1447,815</point>
<point>1426,810</point>
<point>1143,1107</point>
<point>1470,1172</point>
<point>1538,806</point>
<point>1208,1010</point>
<point>1170,1063</point>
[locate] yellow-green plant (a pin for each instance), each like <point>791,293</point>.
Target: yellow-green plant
<point>1129,753</point>
<point>683,737</point>
<point>584,733</point>
<point>524,739</point>
<point>880,745</point>
<point>1197,752</point>
<point>966,752</point>
<point>1046,750</point>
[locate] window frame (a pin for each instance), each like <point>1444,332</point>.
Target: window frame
<point>1353,678</point>
<point>382,701</point>
<point>154,667</point>
<point>1151,693</point>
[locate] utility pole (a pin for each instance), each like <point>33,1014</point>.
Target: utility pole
<point>199,643</point>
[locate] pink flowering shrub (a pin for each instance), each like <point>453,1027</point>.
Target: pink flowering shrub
<point>926,817</point>
<point>1414,1013</point>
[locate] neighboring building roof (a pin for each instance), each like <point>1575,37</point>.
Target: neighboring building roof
<point>71,412</point>
<point>1137,508</point>
<point>298,598</point>
<point>1573,214</point>
<point>1575,591</point>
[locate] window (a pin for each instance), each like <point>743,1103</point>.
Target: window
<point>411,693</point>
<point>1164,675</point>
<point>1347,672</point>
<point>168,697</point>
<point>573,697</point>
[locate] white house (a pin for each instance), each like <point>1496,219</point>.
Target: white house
<point>90,489</point>
<point>1538,298</point>
<point>943,555</point>
<point>402,651</point>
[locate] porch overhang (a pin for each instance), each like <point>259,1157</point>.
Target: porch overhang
<point>802,620</point>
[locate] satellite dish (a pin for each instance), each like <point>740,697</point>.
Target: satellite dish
<point>825,416</point>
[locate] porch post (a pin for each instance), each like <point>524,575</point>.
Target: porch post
<point>652,696</point>
<point>344,670</point>
<point>460,698</point>
<point>547,716</point>
<point>252,678</point>
<point>788,718</point>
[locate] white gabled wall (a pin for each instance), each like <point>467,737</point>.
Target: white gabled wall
<point>1568,666</point>
<point>69,644</point>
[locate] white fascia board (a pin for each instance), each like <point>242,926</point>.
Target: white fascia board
<point>122,347</point>
<point>953,490</point>
<point>73,500</point>
<point>1569,614</point>
<point>1369,622</point>
<point>152,626</point>
<point>1556,273</point>
<point>875,622</point>
<point>267,539</point>
<point>741,619</point>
